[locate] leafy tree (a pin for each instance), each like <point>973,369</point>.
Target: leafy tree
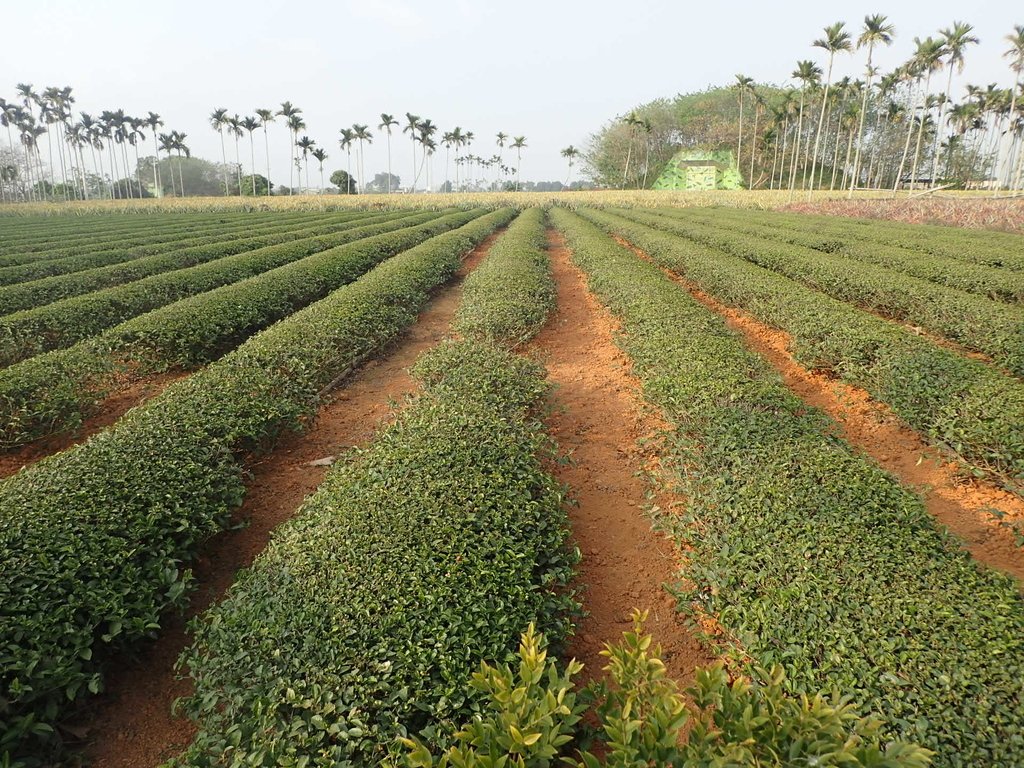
<point>256,185</point>
<point>384,182</point>
<point>344,182</point>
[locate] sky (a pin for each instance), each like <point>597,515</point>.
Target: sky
<point>551,71</point>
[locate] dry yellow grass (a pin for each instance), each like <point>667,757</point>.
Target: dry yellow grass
<point>624,198</point>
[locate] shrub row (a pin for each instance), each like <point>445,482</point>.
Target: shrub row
<point>993,282</point>
<point>510,295</point>
<point>26,245</point>
<point>364,618</point>
<point>36,293</point>
<point>979,324</point>
<point>976,246</point>
<point>449,560</point>
<point>95,541</point>
<point>64,322</point>
<point>53,391</point>
<point>137,235</point>
<point>186,247</point>
<point>804,551</point>
<point>962,404</point>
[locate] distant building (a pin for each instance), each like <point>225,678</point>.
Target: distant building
<point>698,169</point>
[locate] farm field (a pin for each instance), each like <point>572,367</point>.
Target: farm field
<point>322,461</point>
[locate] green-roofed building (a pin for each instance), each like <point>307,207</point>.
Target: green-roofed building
<point>699,169</point>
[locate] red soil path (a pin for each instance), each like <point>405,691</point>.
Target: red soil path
<point>598,420</point>
<point>962,505</point>
<point>132,724</point>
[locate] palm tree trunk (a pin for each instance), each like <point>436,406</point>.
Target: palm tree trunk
<point>266,146</point>
<point>647,158</point>
<point>181,175</point>
<point>252,163</point>
<point>860,122</point>
<point>156,167</point>
<point>223,161</point>
<point>625,172</point>
<point>938,126</point>
<point>238,166</point>
<point>920,130</point>
<point>739,138</point>
<point>291,163</point>
<point>389,160</point>
<point>413,165</point>
<point>796,146</point>
<point>821,124</point>
<point>906,146</point>
<point>873,155</point>
<point>753,145</point>
<point>846,162</point>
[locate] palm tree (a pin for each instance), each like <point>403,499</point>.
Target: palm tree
<point>305,144</point>
<point>808,73</point>
<point>928,59</point>
<point>320,154</point>
<point>235,129</point>
<point>412,124</point>
<point>8,118</point>
<point>167,145</point>
<point>266,117</point>
<point>955,40</point>
<point>387,122</point>
<point>290,113</point>
<point>1016,55</point>
<point>501,139</point>
<point>518,144</point>
<point>362,133</point>
<point>836,39</point>
<point>154,122</point>
<point>743,85</point>
<point>218,121</point>
<point>426,129</point>
<point>570,153</point>
<point>92,133</point>
<point>251,124</point>
<point>181,148</point>
<point>135,135</point>
<point>447,140</point>
<point>347,137</point>
<point>876,30</point>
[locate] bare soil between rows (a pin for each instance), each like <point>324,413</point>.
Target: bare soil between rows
<point>132,725</point>
<point>962,505</point>
<point>600,421</point>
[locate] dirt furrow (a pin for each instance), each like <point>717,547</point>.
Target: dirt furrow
<point>599,420</point>
<point>963,505</point>
<point>132,725</point>
<point>127,396</point>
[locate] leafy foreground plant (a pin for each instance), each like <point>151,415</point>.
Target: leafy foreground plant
<point>532,718</point>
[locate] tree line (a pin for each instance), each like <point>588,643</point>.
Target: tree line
<point>888,130</point>
<point>54,154</point>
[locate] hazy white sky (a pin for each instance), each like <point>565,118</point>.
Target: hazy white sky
<point>552,71</point>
